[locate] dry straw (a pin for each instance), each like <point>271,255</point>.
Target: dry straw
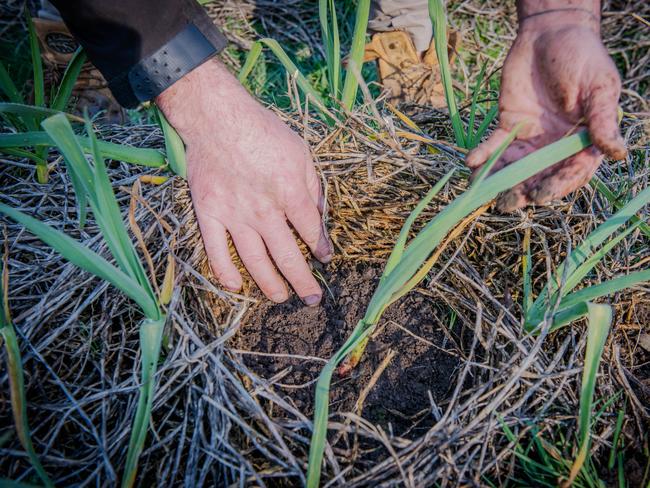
<point>92,186</point>
<point>278,442</point>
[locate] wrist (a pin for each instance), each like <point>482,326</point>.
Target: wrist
<point>530,8</point>
<point>208,99</point>
<point>553,20</point>
<point>552,14</point>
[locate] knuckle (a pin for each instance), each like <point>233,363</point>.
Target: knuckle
<point>295,199</point>
<point>289,260</point>
<point>262,210</point>
<point>253,259</point>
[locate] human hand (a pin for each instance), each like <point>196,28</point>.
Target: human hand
<point>248,175</point>
<point>557,77</point>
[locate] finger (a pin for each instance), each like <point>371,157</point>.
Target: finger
<point>512,199</point>
<point>290,261</point>
<point>516,197</point>
<point>315,187</point>
<point>304,216</point>
<point>565,177</point>
<point>216,247</point>
<point>602,116</point>
<point>515,151</point>
<point>482,153</point>
<point>254,256</point>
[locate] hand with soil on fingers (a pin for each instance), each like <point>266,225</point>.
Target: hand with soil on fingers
<point>556,79</point>
<point>249,175</point>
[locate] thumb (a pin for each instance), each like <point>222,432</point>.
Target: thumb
<point>602,116</point>
<point>481,154</point>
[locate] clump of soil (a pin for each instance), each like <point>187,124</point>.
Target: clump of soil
<point>401,397</point>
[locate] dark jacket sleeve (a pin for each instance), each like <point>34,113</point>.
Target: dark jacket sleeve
<point>142,46</point>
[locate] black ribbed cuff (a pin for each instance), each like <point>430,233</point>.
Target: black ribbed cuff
<point>188,49</point>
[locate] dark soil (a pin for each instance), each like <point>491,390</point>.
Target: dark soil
<point>400,400</point>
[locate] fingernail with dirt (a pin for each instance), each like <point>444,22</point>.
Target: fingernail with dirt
<point>509,201</point>
<point>541,195</point>
<point>311,300</point>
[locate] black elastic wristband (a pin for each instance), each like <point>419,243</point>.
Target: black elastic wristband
<point>147,79</point>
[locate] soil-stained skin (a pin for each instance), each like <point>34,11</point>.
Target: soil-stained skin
<point>400,400</point>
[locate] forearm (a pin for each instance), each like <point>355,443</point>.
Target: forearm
<point>529,8</point>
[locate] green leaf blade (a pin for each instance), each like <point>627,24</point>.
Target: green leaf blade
<point>174,147</point>
<point>151,332</point>
<point>8,86</point>
<point>68,81</point>
<point>433,233</point>
<point>84,258</point>
<point>355,58</point>
<point>439,21</point>
<point>119,152</point>
<point>398,250</point>
<point>37,64</point>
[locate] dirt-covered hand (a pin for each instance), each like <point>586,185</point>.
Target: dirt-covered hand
<point>556,78</point>
<point>249,175</point>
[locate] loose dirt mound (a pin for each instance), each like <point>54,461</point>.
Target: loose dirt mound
<point>421,372</point>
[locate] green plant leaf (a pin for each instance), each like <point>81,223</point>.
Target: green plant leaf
<point>19,401</point>
<point>604,190</point>
<point>590,263</point>
<point>571,306</point>
<point>17,380</point>
<point>37,64</point>
<point>111,221</point>
<point>8,87</point>
<point>603,232</point>
<point>86,259</point>
<point>439,21</point>
<point>331,41</point>
<point>110,150</point>
<point>174,146</point>
<point>21,153</point>
<point>433,233</point>
<point>251,58</point>
<point>80,174</point>
<point>585,251</point>
<point>284,59</point>
<point>32,112</point>
<point>398,250</point>
<point>470,139</point>
<point>92,184</point>
<point>355,58</point>
<point>487,120</point>
<point>321,408</point>
<point>486,169</point>
<point>151,332</point>
<point>68,81</point>
<point>620,418</point>
<point>599,321</point>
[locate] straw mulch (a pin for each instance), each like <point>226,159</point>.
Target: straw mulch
<point>215,422</point>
